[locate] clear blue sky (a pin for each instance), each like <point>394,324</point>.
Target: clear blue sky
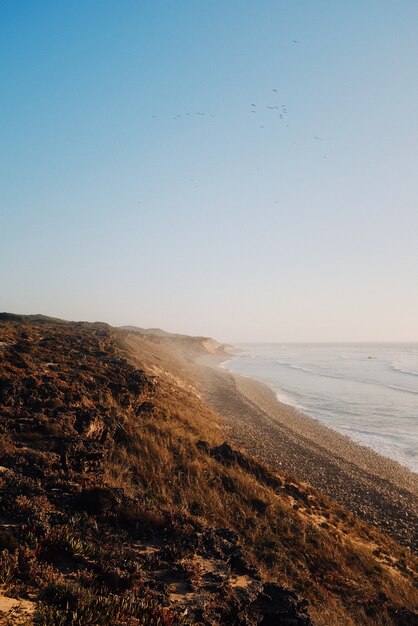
<point>121,202</point>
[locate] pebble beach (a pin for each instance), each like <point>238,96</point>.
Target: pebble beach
<point>376,488</point>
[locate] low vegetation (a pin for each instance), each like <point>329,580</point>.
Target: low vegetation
<point>121,503</point>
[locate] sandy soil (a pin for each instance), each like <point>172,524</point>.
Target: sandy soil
<point>15,611</point>
<point>374,487</point>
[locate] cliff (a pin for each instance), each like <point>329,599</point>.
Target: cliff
<point>122,503</point>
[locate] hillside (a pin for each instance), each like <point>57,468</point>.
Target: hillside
<point>122,503</point>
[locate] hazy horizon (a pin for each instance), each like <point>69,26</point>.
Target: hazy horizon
<point>245,171</point>
<point>236,343</point>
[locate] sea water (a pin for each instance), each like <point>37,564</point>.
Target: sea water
<point>366,391</point>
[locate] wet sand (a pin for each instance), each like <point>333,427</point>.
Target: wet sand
<point>377,489</point>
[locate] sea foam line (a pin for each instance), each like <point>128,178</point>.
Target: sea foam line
<point>407,372</point>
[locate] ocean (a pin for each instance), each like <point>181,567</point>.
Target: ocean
<point>368,392</point>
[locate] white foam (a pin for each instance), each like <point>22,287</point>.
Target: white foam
<point>224,363</point>
<point>402,371</point>
<point>403,389</point>
<point>284,398</point>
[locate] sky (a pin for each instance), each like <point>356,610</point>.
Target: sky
<point>242,170</point>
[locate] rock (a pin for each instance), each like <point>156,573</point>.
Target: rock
<point>404,617</point>
<point>277,605</point>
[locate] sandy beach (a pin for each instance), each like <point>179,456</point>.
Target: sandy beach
<point>377,489</point>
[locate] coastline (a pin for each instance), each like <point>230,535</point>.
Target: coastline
<point>376,488</point>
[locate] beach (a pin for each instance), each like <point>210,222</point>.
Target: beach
<point>376,488</point>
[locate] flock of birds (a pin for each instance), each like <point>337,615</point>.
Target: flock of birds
<point>278,110</point>
<point>281,110</point>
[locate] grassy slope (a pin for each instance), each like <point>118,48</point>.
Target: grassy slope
<point>349,571</point>
<point>113,475</point>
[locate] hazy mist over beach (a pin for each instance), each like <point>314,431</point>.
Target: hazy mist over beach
<point>242,170</point>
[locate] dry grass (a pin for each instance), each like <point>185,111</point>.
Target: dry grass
<point>102,458</point>
<point>348,570</point>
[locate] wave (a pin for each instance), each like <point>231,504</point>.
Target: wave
<point>407,372</point>
<point>327,375</point>
<point>382,418</point>
<point>284,398</point>
<point>301,369</point>
<point>353,380</point>
<point>224,364</point>
<point>296,367</point>
<point>403,389</point>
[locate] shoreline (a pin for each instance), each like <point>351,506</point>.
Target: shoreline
<point>281,400</point>
<point>376,488</point>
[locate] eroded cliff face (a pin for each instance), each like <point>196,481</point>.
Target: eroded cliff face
<point>118,507</point>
